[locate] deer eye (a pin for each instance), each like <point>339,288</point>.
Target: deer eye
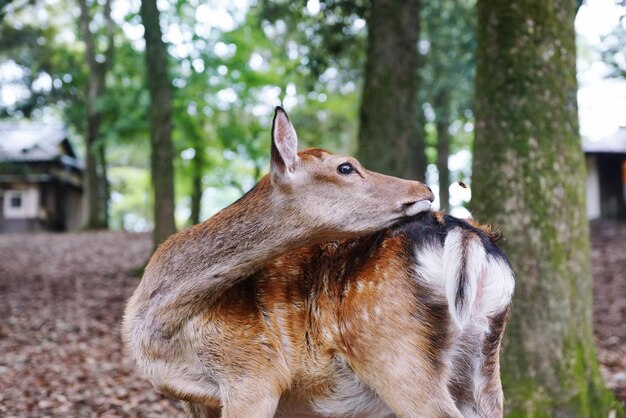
<point>345,169</point>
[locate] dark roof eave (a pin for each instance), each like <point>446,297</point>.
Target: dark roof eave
<point>37,178</point>
<point>63,160</point>
<point>604,152</point>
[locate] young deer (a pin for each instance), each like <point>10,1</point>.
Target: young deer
<point>177,323</point>
<point>405,322</point>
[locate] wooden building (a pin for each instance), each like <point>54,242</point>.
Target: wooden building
<point>40,179</point>
<point>606,176</point>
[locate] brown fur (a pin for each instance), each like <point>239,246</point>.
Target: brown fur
<point>287,327</point>
<point>199,325</point>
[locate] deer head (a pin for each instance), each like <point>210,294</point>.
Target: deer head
<point>335,193</point>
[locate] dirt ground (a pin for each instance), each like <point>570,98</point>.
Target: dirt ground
<point>62,297</point>
<point>608,256</point>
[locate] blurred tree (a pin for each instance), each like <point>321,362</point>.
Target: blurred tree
<point>529,181</point>
<point>329,33</point>
<point>446,75</point>
<point>54,79</point>
<point>388,129</point>
<point>99,64</point>
<point>324,46</point>
<point>162,155</point>
<point>45,63</point>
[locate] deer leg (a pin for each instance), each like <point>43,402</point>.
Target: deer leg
<point>410,392</point>
<point>243,402</point>
<point>194,410</point>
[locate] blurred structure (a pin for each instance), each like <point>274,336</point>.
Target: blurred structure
<point>606,176</point>
<point>40,179</point>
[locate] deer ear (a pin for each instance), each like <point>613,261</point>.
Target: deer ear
<point>284,145</point>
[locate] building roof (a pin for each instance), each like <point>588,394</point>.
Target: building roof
<point>612,144</point>
<point>35,141</point>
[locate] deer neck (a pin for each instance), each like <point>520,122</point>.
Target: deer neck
<point>252,231</point>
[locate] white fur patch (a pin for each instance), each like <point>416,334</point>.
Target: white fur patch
<point>430,268</point>
<point>351,397</point>
<point>418,207</point>
<point>497,286</point>
<point>488,281</point>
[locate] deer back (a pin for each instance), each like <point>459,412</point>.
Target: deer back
<point>426,298</point>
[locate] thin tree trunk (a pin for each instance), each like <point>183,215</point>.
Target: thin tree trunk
<point>528,180</point>
<point>91,177</point>
<point>162,154</point>
<point>197,170</point>
<point>443,153</point>
<point>418,150</point>
<point>196,199</point>
<point>95,180</point>
<point>388,132</point>
<point>104,184</point>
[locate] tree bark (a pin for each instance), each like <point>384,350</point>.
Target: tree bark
<point>162,153</point>
<point>95,180</point>
<point>388,131</point>
<point>529,182</point>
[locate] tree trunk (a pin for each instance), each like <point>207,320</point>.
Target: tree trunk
<point>388,132</point>
<point>197,170</point>
<point>92,181</point>
<point>441,105</point>
<point>105,192</point>
<point>160,123</point>
<point>95,180</point>
<point>418,151</point>
<point>529,182</point>
<point>443,152</point>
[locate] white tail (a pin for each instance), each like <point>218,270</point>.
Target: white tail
<point>476,284</point>
<point>474,278</point>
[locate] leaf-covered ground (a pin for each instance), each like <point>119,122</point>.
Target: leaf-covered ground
<point>61,307</point>
<point>608,254</point>
<point>62,297</point>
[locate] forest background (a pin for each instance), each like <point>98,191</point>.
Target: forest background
<point>230,63</point>
<point>171,103</point>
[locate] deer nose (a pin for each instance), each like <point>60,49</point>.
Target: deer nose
<point>431,195</point>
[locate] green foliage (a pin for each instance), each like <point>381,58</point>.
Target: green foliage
<point>227,77</point>
<point>448,46</point>
<point>131,198</point>
<point>447,49</point>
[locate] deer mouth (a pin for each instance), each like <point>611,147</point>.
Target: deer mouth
<point>419,206</point>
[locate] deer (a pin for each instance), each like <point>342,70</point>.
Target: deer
<point>406,321</point>
<point>177,324</point>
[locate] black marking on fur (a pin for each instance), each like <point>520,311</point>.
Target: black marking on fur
<point>461,282</point>
<point>425,228</point>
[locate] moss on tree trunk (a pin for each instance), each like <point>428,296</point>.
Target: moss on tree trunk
<point>529,182</point>
<point>388,130</point>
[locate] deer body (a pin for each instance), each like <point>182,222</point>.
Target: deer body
<point>365,327</point>
<point>173,324</point>
<point>369,327</point>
